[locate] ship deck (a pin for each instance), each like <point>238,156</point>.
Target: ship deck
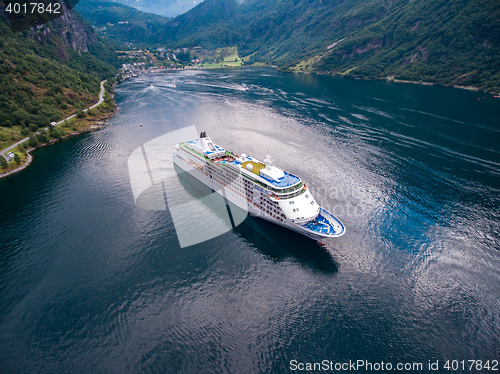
<point>325,224</point>
<point>257,166</point>
<point>288,180</point>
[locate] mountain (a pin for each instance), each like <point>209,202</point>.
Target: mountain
<point>209,24</point>
<point>120,22</point>
<point>166,8</point>
<point>442,41</point>
<point>50,70</point>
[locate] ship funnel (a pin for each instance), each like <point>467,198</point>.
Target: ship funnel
<point>206,145</point>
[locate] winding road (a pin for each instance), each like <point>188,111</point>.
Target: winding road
<point>101,99</point>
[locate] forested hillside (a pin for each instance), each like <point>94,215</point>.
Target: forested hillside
<point>119,22</point>
<point>212,24</point>
<point>50,70</point>
<point>450,42</point>
<point>442,41</point>
<point>167,8</point>
<point>447,42</point>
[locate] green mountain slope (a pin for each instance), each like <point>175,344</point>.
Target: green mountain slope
<point>448,42</point>
<point>50,71</point>
<point>210,24</point>
<point>120,22</point>
<point>166,8</point>
<point>278,31</point>
<point>442,41</point>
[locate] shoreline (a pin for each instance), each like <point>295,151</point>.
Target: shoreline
<point>423,83</point>
<point>101,122</point>
<point>29,157</point>
<point>389,79</point>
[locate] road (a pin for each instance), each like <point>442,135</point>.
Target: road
<point>101,99</point>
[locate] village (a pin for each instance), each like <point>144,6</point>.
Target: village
<point>162,59</point>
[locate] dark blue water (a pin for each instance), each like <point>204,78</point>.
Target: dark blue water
<point>90,283</point>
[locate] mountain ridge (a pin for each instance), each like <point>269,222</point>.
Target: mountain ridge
<point>441,41</point>
<point>166,8</point>
<point>448,42</point>
<point>119,22</point>
<point>50,70</point>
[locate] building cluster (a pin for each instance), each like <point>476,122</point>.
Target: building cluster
<point>152,60</point>
<point>109,24</point>
<point>179,50</point>
<point>139,53</point>
<point>133,70</point>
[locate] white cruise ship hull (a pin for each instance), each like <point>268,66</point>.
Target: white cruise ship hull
<point>203,178</point>
<point>326,227</point>
<point>339,227</point>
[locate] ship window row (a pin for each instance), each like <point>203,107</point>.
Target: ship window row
<point>267,205</point>
<point>277,216</point>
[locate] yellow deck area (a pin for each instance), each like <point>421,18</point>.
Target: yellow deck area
<point>256,166</point>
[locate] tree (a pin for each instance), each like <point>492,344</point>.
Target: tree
<point>3,162</point>
<point>42,136</point>
<point>56,132</point>
<point>33,141</point>
<point>17,159</point>
<point>19,116</point>
<point>80,113</point>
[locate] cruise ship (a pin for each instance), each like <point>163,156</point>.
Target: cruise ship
<point>258,187</point>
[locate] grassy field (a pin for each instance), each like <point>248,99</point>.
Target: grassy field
<point>221,65</point>
<point>220,57</point>
<point>246,58</point>
<point>9,136</point>
<point>231,54</point>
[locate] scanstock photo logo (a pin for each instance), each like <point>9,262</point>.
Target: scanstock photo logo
<point>26,14</point>
<point>199,213</point>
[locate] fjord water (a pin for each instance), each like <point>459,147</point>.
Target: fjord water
<point>91,283</point>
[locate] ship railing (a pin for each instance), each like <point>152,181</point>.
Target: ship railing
<point>291,195</point>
